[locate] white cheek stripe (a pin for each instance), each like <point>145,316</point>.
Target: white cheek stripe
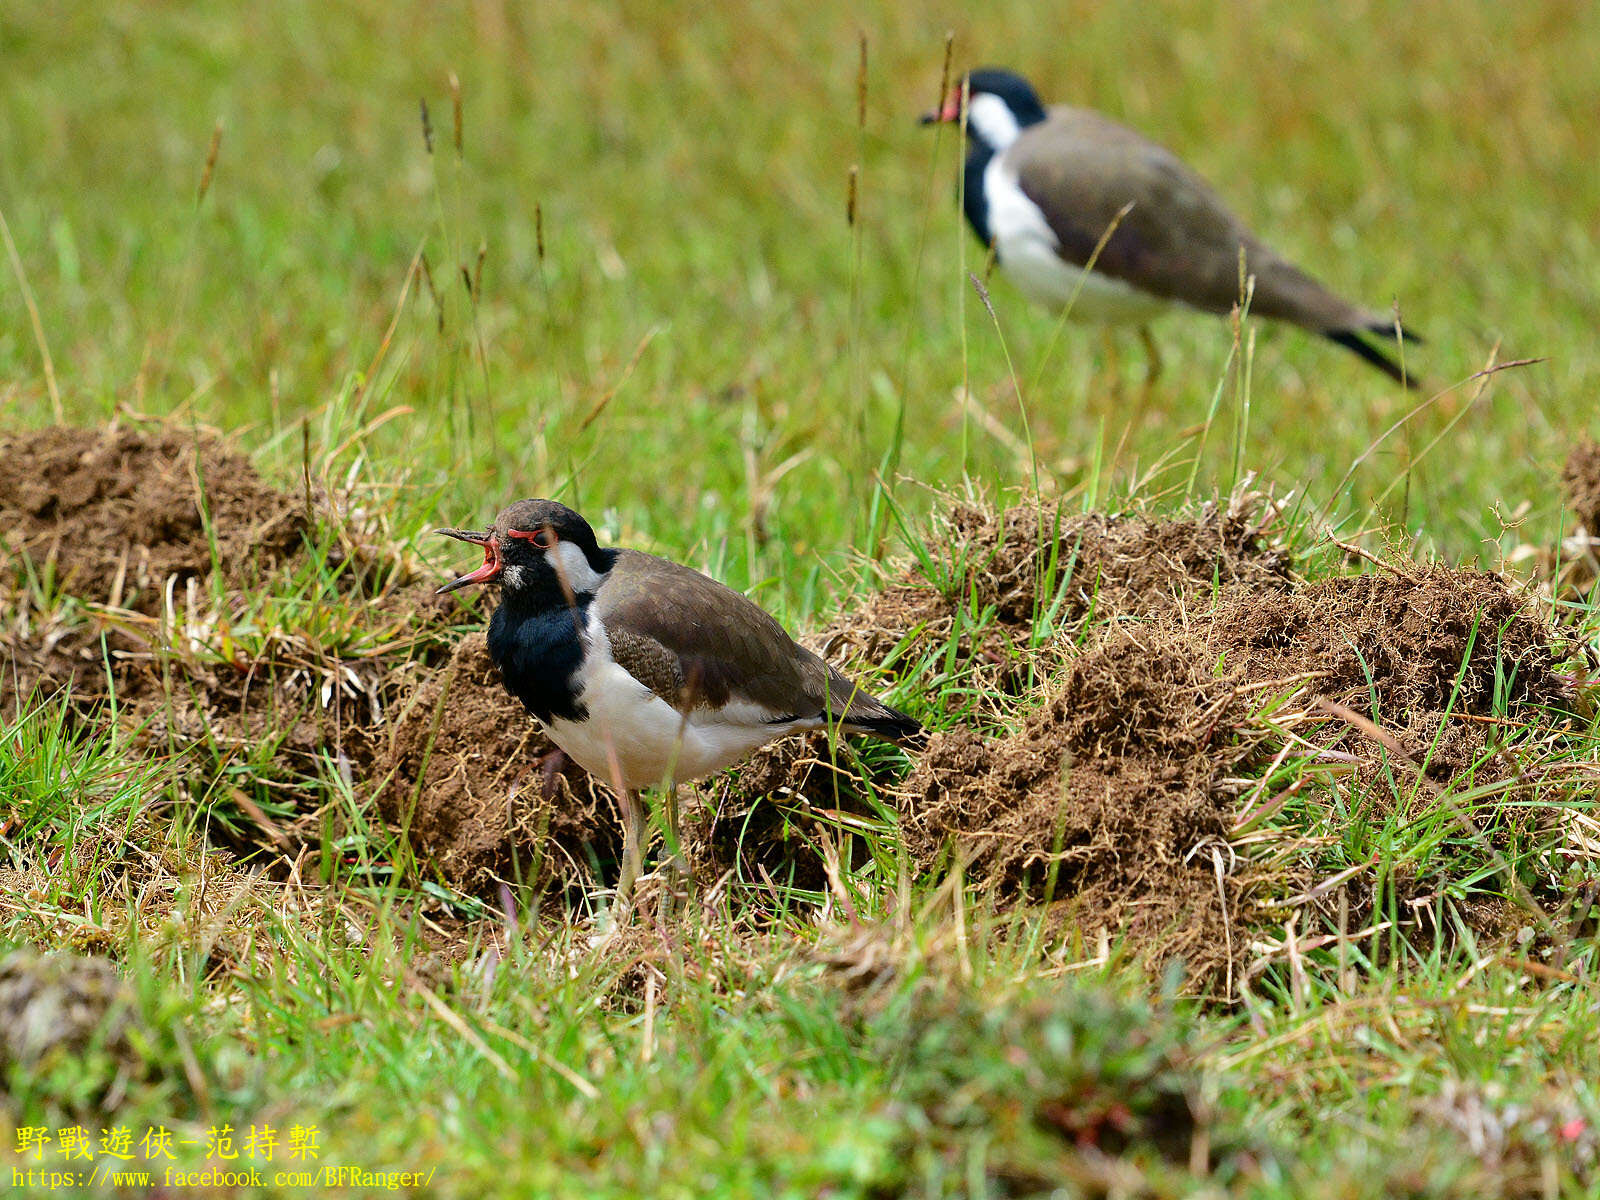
<point>992,120</point>
<point>571,565</point>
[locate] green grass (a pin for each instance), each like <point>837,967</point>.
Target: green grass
<point>672,326</point>
<point>692,203</point>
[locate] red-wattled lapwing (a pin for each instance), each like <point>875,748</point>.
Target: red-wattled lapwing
<point>646,672</point>
<point>1042,187</point>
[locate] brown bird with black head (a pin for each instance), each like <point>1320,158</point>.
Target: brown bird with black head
<point>1042,188</point>
<point>646,672</point>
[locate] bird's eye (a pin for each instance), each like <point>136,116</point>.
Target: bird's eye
<point>543,538</point>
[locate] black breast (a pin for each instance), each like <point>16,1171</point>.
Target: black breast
<point>974,201</point>
<point>538,653</point>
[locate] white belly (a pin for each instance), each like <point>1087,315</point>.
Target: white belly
<point>635,739</point>
<point>1026,249</point>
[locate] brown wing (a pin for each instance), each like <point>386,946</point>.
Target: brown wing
<point>1178,241</point>
<point>695,642</point>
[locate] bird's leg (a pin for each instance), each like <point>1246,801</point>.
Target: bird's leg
<point>633,829</point>
<point>1108,341</point>
<point>677,868</point>
<point>675,844</point>
<point>1152,363</point>
<point>672,869</point>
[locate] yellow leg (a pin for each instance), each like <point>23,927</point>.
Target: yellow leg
<point>675,869</point>
<point>1153,363</point>
<point>633,830</point>
<point>1113,360</point>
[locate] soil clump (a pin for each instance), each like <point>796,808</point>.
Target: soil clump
<point>115,515</point>
<point>1116,798</point>
<point>462,773</point>
<point>1007,587</point>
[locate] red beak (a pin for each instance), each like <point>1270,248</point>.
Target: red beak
<point>488,573</point>
<point>949,114</point>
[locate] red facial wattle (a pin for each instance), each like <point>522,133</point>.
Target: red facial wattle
<point>543,538</point>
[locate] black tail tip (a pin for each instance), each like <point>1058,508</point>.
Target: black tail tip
<point>1352,340</point>
<point>894,726</point>
<point>914,738</point>
<point>1386,330</point>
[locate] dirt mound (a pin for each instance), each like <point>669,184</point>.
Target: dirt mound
<point>1414,641</point>
<point>1581,478</point>
<point>115,513</point>
<point>768,818</point>
<point>266,710</point>
<point>1010,583</point>
<point>118,516</point>
<point>285,709</point>
<point>40,661</point>
<point>1570,565</point>
<point>1126,564</point>
<point>461,773</point>
<point>1118,795</point>
<point>1107,799</point>
<point>266,694</point>
<point>110,516</point>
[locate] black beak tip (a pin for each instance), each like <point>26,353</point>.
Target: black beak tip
<point>464,535</point>
<point>455,584</point>
<point>928,118</point>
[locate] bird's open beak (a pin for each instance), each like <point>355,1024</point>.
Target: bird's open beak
<point>488,573</point>
<point>949,114</point>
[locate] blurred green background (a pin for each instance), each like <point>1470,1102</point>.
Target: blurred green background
<point>707,356</point>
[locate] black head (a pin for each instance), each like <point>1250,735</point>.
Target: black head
<point>537,548</point>
<point>1016,91</point>
<point>999,105</point>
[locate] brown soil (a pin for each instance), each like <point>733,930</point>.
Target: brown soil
<point>1113,798</point>
<point>1009,568</point>
<point>1570,565</point>
<point>1107,800</point>
<point>1410,634</point>
<point>1122,564</point>
<point>1581,478</point>
<point>1116,797</point>
<point>767,819</point>
<point>39,665</point>
<point>116,513</point>
<point>295,709</point>
<point>461,773</point>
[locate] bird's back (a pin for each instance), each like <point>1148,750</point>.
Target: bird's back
<point>722,646</point>
<point>1178,240</point>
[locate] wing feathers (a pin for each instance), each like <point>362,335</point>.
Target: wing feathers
<point>695,642</point>
<point>1179,241</point>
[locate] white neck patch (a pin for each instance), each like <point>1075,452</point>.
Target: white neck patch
<point>992,121</point>
<point>572,566</point>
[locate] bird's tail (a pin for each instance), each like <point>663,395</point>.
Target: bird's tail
<point>873,716</point>
<point>1352,340</point>
<point>859,711</point>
